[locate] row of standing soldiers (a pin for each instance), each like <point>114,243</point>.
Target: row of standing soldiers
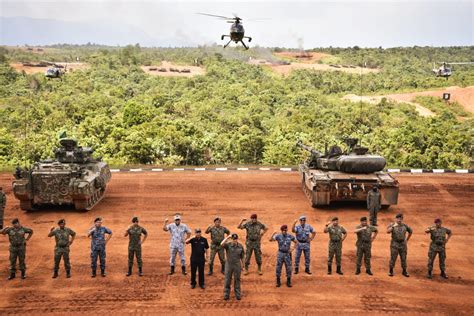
<point>222,240</point>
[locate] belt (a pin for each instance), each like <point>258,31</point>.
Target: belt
<point>302,241</point>
<point>283,251</point>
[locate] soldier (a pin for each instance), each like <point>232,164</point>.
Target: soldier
<point>337,234</point>
<point>98,242</point>
<point>3,203</point>
<point>439,238</point>
<point>135,242</point>
<point>64,237</point>
<point>234,263</point>
<point>365,236</point>
<point>398,245</point>
<point>374,200</point>
<point>16,235</point>
<point>178,231</point>
<point>218,233</point>
<point>284,254</point>
<point>255,231</point>
<point>304,235</point>
<point>199,256</point>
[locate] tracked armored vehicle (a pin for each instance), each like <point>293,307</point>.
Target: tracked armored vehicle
<point>74,177</point>
<point>345,176</point>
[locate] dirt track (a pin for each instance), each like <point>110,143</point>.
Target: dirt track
<point>278,199</point>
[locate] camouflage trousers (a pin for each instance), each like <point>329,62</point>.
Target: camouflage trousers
<point>20,254</point>
<point>303,247</point>
<point>335,249</point>
<point>441,251</point>
<point>2,213</point>
<point>283,258</point>
<point>373,216</point>
<point>61,252</point>
<point>100,253</point>
<point>252,246</point>
<point>135,252</point>
<point>364,249</point>
<point>398,248</point>
<point>232,270</point>
<point>217,249</point>
<point>173,252</point>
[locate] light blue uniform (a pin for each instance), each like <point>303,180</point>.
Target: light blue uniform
<point>303,234</point>
<point>178,237</point>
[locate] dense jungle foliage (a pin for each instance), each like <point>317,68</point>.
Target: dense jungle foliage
<point>235,114</point>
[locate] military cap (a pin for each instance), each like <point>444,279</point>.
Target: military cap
<point>302,217</point>
<point>177,217</point>
<point>135,219</point>
<point>438,220</point>
<point>61,221</point>
<point>284,227</point>
<point>253,216</point>
<point>15,221</point>
<point>98,219</point>
<point>399,215</point>
<point>197,230</point>
<point>235,236</point>
<point>334,219</point>
<point>363,218</point>
<point>217,219</point>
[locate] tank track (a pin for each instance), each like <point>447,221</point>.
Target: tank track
<point>88,204</point>
<point>309,194</point>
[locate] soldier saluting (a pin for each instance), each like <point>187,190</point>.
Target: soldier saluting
<point>284,253</point>
<point>398,245</point>
<point>337,234</point>
<point>255,231</point>
<point>3,203</point>
<point>64,237</point>
<point>439,237</point>
<point>218,233</point>
<point>135,232</point>
<point>233,267</point>
<point>365,236</point>
<point>16,235</point>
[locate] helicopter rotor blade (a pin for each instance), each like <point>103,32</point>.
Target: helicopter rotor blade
<point>216,16</point>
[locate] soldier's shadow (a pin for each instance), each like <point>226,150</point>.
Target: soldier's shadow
<point>348,206</point>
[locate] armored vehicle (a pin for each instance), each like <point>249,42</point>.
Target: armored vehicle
<point>345,176</point>
<point>74,177</point>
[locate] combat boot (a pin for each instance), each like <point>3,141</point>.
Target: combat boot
<point>129,273</point>
<point>246,271</point>
<point>55,274</point>
<point>329,269</point>
<point>183,270</point>
<point>288,282</point>
<point>339,271</point>
<point>297,270</point>
<point>211,269</point>
<point>140,271</point>
<point>278,284</point>
<point>68,274</point>
<point>23,274</point>
<point>443,274</point>
<point>357,271</point>
<point>93,274</point>
<point>102,273</point>
<point>12,276</point>
<point>307,271</point>
<point>405,273</point>
<point>223,269</point>
<point>171,270</point>
<point>390,273</point>
<point>430,274</point>
<point>368,272</point>
<point>260,269</point>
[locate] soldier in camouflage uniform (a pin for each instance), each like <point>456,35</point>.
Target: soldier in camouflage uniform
<point>135,232</point>
<point>337,234</point>
<point>284,254</point>
<point>374,203</point>
<point>439,237</point>
<point>218,234</point>
<point>255,231</point>
<point>234,263</point>
<point>398,245</point>
<point>3,203</point>
<point>64,237</point>
<point>365,236</point>
<point>16,235</point>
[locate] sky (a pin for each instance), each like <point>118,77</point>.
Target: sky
<point>340,23</point>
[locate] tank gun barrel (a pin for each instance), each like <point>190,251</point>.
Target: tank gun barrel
<point>310,149</point>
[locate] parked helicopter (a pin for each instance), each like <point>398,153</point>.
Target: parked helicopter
<point>237,31</point>
<point>445,70</point>
<point>56,71</point>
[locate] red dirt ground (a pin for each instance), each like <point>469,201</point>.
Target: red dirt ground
<point>32,70</point>
<point>278,199</point>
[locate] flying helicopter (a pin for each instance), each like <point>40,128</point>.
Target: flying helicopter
<point>446,70</point>
<point>237,31</point>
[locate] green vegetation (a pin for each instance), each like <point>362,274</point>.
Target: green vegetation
<point>236,114</point>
